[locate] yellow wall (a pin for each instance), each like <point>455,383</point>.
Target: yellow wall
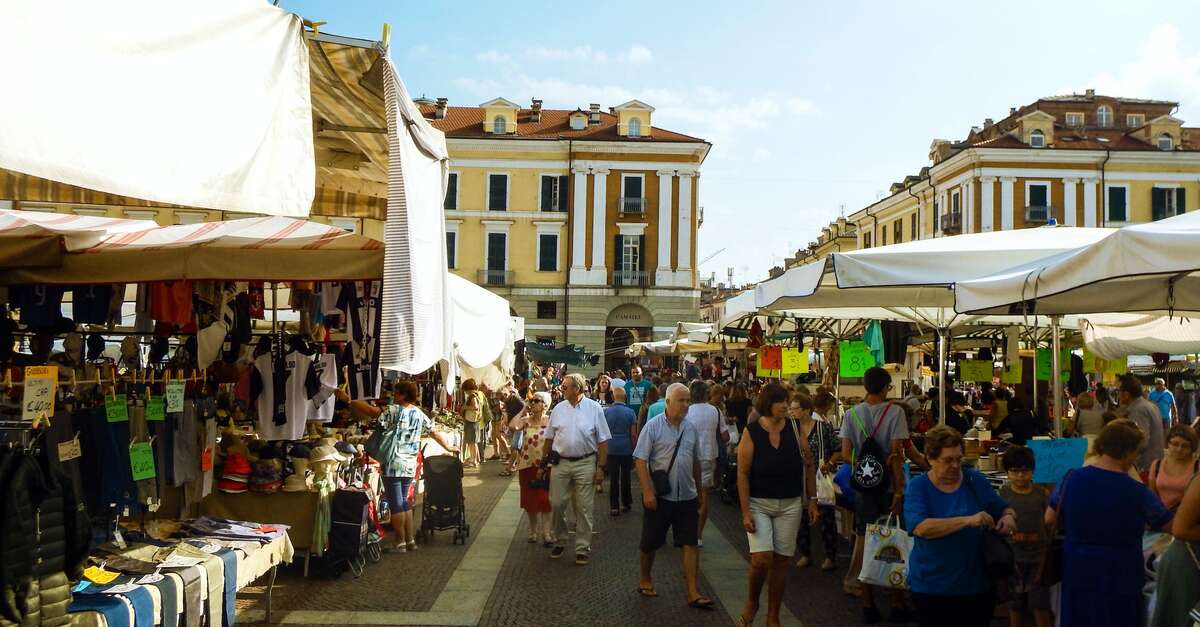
<point>509,115</point>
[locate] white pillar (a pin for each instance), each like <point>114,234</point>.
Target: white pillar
<point>578,226</point>
<point>987,205</point>
<point>1006,203</point>
<point>666,210</point>
<point>600,245</point>
<point>969,206</point>
<point>1089,202</point>
<point>683,261</point>
<point>1069,208</point>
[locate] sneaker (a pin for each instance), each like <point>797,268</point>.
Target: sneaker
<point>870,615</point>
<point>803,562</point>
<point>412,546</point>
<point>700,544</point>
<point>582,559</point>
<point>827,565</point>
<point>557,552</point>
<point>900,616</point>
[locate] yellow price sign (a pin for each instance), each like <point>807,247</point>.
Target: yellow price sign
<point>795,360</point>
<point>37,399</point>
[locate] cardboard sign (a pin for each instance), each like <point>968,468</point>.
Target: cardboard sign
<point>854,359</point>
<point>795,360</point>
<point>771,357</point>
<point>116,409</point>
<point>764,373</point>
<point>975,370</point>
<point>1012,374</point>
<point>206,460</point>
<point>154,409</point>
<point>1042,366</point>
<point>141,460</point>
<point>69,450</point>
<point>1117,366</point>
<point>1053,458</point>
<point>37,401</point>
<point>174,395</point>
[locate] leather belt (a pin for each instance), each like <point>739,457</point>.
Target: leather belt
<point>575,459</point>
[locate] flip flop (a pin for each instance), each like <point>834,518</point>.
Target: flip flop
<point>742,622</point>
<point>648,592</point>
<point>702,603</point>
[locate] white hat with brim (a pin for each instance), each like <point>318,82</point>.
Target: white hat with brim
<point>325,454</point>
<point>297,483</point>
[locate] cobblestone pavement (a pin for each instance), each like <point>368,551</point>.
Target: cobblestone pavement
<point>399,582</point>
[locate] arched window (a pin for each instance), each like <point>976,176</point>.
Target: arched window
<point>1037,139</point>
<point>635,128</point>
<point>499,125</point>
<point>1104,116</point>
<point>1165,142</point>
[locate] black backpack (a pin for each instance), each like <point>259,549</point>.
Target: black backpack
<point>869,470</point>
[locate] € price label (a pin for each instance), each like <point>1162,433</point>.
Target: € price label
<point>795,360</point>
<point>975,370</point>
<point>771,358</point>
<point>154,409</point>
<point>854,359</point>
<point>1042,364</point>
<point>1012,374</point>
<point>141,461</point>
<point>69,450</point>
<point>116,410</point>
<point>174,395</point>
<point>37,401</point>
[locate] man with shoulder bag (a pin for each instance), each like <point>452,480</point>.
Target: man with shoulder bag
<point>667,458</point>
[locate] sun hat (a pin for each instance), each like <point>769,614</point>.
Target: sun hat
<point>324,454</point>
<point>347,450</point>
<point>297,482</point>
<point>235,477</point>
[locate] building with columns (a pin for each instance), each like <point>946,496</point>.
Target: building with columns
<point>1081,160</point>
<point>585,220</point>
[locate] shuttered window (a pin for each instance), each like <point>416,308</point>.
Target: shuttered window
<point>498,192</point>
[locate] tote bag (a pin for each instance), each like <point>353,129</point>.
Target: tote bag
<point>885,555</point>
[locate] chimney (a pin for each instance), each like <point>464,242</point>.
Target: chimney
<point>440,113</point>
<point>1091,93</point>
<point>1012,110</point>
<point>593,114</point>
<point>988,122</point>
<point>535,111</point>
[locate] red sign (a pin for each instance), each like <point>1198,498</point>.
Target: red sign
<point>771,358</point>
<point>206,460</point>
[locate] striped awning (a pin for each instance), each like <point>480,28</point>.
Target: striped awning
<point>267,248</point>
<point>32,239</point>
<point>349,135</point>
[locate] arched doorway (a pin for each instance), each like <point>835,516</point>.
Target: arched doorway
<point>626,324</point>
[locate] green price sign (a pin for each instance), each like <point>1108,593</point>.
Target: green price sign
<point>154,409</point>
<point>1042,367</point>
<point>1012,374</point>
<point>975,370</point>
<point>141,460</point>
<point>855,359</point>
<point>116,410</point>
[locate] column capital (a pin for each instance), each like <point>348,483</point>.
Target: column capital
<point>1008,179</point>
<point>600,171</point>
<point>688,173</point>
<point>579,170</point>
<point>1091,180</point>
<point>987,179</point>
<point>666,173</point>
<point>1071,179</point>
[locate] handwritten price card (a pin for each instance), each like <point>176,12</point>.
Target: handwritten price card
<point>38,400</point>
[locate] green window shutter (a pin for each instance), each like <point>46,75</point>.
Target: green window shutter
<point>1158,203</point>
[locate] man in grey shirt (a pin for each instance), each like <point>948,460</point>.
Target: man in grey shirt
<point>1144,413</point>
<point>665,437</point>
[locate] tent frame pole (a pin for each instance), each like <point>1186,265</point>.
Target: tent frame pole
<point>1056,371</point>
<point>942,375</point>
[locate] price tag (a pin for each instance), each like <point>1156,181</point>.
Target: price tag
<point>206,459</point>
<point>38,399</point>
<point>154,409</point>
<point>1117,366</point>
<point>1042,365</point>
<point>771,358</point>
<point>854,359</point>
<point>1012,374</point>
<point>1054,458</point>
<point>174,396</point>
<point>69,450</point>
<point>116,410</point>
<point>795,360</point>
<point>211,549</point>
<point>99,575</point>
<point>124,588</point>
<point>975,370</point>
<point>141,460</point>
<point>151,578</point>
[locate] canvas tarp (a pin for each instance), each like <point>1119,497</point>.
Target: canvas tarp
<point>1143,336</point>
<point>198,104</point>
<point>266,248</point>
<point>1144,267</point>
<point>34,239</point>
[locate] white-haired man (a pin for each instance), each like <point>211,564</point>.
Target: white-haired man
<point>579,434</point>
<point>671,446</point>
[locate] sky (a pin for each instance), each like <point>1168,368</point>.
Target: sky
<point>813,109</point>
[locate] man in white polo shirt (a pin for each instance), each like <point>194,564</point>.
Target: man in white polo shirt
<point>579,434</point>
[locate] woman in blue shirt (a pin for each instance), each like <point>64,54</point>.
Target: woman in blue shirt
<point>946,511</point>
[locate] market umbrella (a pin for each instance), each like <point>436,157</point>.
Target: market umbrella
<point>1145,267</point>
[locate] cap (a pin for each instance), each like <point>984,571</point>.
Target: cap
<point>1159,381</point>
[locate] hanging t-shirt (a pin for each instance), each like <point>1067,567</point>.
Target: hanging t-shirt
<point>40,305</point>
<point>90,303</point>
<point>258,306</point>
<point>360,303</point>
<point>319,383</point>
<point>171,301</point>
<point>291,392</point>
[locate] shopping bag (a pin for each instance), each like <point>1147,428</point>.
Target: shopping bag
<point>885,555</point>
<point>826,494</point>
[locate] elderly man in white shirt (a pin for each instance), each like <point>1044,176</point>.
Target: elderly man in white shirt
<point>706,419</point>
<point>579,434</point>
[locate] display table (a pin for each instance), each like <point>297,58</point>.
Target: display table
<point>297,510</point>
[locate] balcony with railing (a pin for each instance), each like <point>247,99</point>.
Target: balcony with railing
<point>629,204</point>
<point>495,278</point>
<point>1038,214</point>
<point>631,278</point>
<point>952,223</point>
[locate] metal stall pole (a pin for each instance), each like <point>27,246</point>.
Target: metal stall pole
<point>942,332</point>
<point>1056,368</point>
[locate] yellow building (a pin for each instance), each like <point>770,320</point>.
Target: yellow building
<point>1080,160</point>
<point>585,220</point>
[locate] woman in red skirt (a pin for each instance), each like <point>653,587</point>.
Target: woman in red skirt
<point>533,474</point>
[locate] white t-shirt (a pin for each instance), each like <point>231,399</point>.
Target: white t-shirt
<point>705,419</point>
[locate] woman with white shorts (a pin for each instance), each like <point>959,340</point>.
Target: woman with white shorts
<point>771,488</point>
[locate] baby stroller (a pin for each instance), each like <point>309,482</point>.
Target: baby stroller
<point>444,506</point>
<point>728,484</point>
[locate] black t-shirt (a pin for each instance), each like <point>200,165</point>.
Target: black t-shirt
<point>739,408</point>
<point>776,473</point>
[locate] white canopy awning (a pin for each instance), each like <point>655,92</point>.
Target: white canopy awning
<point>1145,267</point>
<point>197,104</point>
<point>1143,336</point>
<point>35,239</point>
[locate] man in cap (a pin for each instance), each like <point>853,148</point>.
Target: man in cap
<point>1165,400</point>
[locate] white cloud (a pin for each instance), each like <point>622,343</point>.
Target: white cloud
<point>1164,69</point>
<point>494,56</point>
<point>578,53</point>
<point>637,55</point>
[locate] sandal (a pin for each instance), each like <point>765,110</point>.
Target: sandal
<point>742,621</point>
<point>614,512</point>
<point>702,603</point>
<point>648,591</point>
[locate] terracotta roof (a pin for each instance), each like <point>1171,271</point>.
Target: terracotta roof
<point>1093,139</point>
<point>1095,97</point>
<point>468,122</point>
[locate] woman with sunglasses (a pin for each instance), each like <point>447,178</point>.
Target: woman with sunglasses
<point>532,475</point>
